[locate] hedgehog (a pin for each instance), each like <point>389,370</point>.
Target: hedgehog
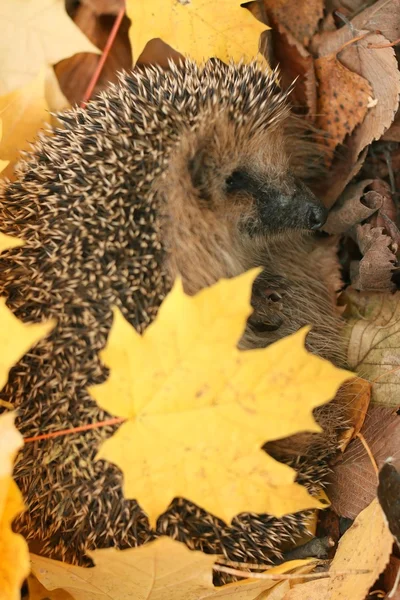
<point>196,171</point>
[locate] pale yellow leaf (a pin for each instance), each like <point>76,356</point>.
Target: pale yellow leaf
<point>366,546</point>
<point>199,28</point>
<point>16,338</point>
<point>35,33</point>
<point>3,163</point>
<point>161,570</point>
<point>14,557</point>
<point>23,113</point>
<point>199,410</point>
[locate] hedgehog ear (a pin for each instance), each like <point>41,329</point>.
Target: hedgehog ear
<point>197,170</point>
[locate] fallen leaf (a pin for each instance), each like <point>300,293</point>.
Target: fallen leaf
<point>35,33</point>
<point>351,208</point>
<point>374,271</point>
<point>353,481</point>
<point>16,338</point>
<point>199,29</point>
<point>295,62</point>
<point>373,334</point>
<point>14,556</point>
<point>379,67</point>
<point>161,570</point>
<point>37,591</point>
<point>354,396</point>
<point>365,546</point>
<point>210,406</point>
<point>343,98</point>
<point>301,21</point>
<point>389,493</point>
<point>23,113</point>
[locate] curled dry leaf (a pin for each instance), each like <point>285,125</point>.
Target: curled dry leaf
<point>343,98</point>
<point>373,334</point>
<point>389,493</point>
<point>353,481</point>
<point>46,34</point>
<point>366,546</point>
<point>295,62</point>
<point>382,16</point>
<point>379,68</point>
<point>160,570</point>
<point>351,208</point>
<point>354,396</point>
<point>14,557</point>
<point>302,21</point>
<point>374,271</point>
<point>210,406</point>
<point>203,29</point>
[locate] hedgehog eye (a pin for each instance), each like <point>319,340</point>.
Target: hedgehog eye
<point>238,180</point>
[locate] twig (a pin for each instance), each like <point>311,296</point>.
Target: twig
<point>103,58</point>
<point>283,576</point>
<point>368,451</point>
<point>54,434</point>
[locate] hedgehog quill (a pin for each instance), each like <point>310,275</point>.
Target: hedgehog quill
<point>195,171</point>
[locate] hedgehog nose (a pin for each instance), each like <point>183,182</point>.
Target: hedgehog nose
<point>317,215</point>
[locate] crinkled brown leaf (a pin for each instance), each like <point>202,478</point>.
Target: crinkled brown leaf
<point>373,334</point>
<point>354,396</point>
<point>301,19</point>
<point>351,208</point>
<point>343,98</point>
<point>295,62</point>
<point>353,481</point>
<point>382,16</point>
<point>374,271</point>
<point>379,68</point>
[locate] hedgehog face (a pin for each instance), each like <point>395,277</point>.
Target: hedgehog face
<point>249,183</point>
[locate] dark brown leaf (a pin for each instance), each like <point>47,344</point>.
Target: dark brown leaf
<point>353,483</point>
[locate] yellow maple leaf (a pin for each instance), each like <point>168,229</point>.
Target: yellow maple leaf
<point>16,338</point>
<point>200,28</point>
<point>14,556</point>
<point>35,33</point>
<point>161,570</point>
<point>3,163</point>
<point>365,547</point>
<point>199,410</point>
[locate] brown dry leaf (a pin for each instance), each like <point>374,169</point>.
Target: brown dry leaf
<point>34,34</point>
<point>300,19</point>
<point>374,271</point>
<point>353,481</point>
<point>354,396</point>
<point>366,546</point>
<point>295,62</point>
<point>161,570</point>
<point>379,68</point>
<point>352,208</point>
<point>382,16</point>
<point>343,98</point>
<point>373,334</point>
